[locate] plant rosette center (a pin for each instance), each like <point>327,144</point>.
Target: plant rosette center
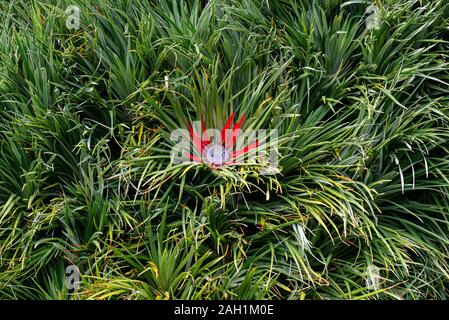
<point>216,155</point>
<point>223,150</point>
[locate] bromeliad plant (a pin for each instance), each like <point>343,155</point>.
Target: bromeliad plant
<point>244,148</point>
<point>217,148</point>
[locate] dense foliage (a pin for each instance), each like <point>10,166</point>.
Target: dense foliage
<point>358,209</point>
